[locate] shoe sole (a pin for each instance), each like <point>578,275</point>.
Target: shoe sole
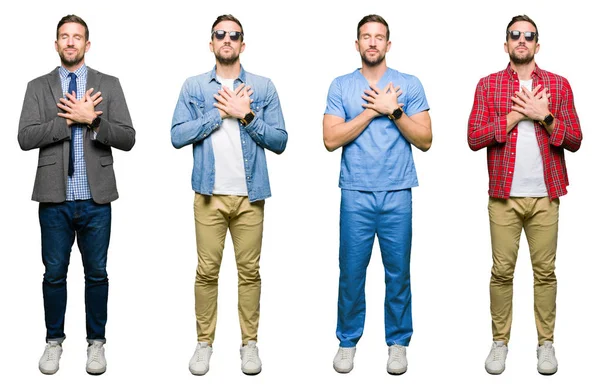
<point>397,372</point>
<point>48,372</point>
<point>342,371</point>
<point>547,373</point>
<point>95,372</point>
<point>198,373</point>
<point>491,372</point>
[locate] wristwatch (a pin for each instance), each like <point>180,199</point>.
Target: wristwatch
<point>396,114</point>
<point>249,117</point>
<point>95,123</point>
<point>548,120</point>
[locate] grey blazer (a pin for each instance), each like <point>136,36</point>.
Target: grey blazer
<point>41,127</point>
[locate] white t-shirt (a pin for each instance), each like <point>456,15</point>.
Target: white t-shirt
<point>528,178</point>
<point>230,177</point>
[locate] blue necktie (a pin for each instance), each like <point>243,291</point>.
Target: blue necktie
<point>72,88</point>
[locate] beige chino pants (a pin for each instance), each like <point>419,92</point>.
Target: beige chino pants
<point>539,218</point>
<point>214,215</point>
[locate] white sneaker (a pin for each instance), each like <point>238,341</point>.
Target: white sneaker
<point>251,364</point>
<point>199,363</point>
<point>343,362</point>
<point>50,358</point>
<point>496,360</point>
<point>547,364</point>
<point>397,364</point>
<point>96,362</point>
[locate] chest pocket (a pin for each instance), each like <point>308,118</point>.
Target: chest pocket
<point>258,108</point>
<point>197,105</point>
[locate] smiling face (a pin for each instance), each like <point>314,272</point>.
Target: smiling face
<point>372,43</point>
<point>227,52</point>
<point>521,51</point>
<point>71,45</point>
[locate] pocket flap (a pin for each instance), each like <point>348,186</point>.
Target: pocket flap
<point>46,160</point>
<point>106,160</point>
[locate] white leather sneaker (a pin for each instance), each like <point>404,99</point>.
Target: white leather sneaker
<point>200,361</point>
<point>96,362</point>
<point>343,362</point>
<point>251,364</point>
<point>51,357</point>
<point>547,364</point>
<point>397,364</point>
<point>496,360</point>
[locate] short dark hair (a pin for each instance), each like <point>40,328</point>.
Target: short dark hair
<point>373,18</point>
<point>522,18</point>
<point>73,19</point>
<point>230,18</point>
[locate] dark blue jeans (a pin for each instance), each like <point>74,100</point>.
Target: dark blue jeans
<point>60,223</point>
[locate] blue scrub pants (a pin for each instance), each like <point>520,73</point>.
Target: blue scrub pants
<point>387,214</point>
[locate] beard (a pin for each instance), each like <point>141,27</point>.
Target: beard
<point>523,59</point>
<point>229,60</point>
<point>71,61</point>
<point>372,62</point>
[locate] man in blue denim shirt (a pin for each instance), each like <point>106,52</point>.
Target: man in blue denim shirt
<point>230,117</point>
<point>376,114</point>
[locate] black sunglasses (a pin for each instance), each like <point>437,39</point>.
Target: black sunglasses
<point>516,34</point>
<point>233,35</point>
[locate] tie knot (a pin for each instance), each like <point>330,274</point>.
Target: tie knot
<point>72,76</point>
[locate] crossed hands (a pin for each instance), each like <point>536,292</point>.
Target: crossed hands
<point>382,102</point>
<point>233,104</point>
<point>79,111</point>
<point>532,104</point>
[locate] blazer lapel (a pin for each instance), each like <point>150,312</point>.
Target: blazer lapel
<point>53,79</point>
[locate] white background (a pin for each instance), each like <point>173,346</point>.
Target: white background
<point>302,47</point>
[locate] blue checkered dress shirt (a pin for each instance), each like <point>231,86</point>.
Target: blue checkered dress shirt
<point>77,185</point>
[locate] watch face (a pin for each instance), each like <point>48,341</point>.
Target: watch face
<point>548,120</point>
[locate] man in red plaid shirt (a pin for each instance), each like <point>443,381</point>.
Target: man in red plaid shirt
<point>526,118</point>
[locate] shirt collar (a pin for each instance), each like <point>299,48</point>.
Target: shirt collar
<point>64,73</point>
<point>514,75</point>
<point>241,77</point>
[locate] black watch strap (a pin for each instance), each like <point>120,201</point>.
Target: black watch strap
<point>249,117</point>
<point>95,123</point>
<point>396,114</point>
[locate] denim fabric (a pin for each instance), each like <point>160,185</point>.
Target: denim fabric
<point>380,158</point>
<point>60,223</point>
<point>362,216</point>
<point>195,118</point>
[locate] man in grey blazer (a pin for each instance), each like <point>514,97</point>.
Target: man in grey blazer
<point>75,115</point>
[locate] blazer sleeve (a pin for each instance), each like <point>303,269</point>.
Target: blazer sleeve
<point>116,129</point>
<point>34,132</point>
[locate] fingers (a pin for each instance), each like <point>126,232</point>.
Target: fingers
<point>239,88</point>
<point>98,113</point>
<point>220,98</point>
<point>370,99</point>
<point>374,88</point>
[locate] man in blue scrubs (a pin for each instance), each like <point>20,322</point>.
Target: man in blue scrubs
<point>375,113</point>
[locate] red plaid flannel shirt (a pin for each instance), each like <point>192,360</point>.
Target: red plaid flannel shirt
<point>487,128</point>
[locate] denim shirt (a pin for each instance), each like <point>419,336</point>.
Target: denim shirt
<point>195,119</point>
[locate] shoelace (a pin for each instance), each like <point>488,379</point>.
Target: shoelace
<point>346,353</point>
<point>94,355</point>
<point>497,353</point>
<point>396,352</point>
<point>201,353</point>
<point>251,354</point>
<point>546,354</point>
<point>51,352</point>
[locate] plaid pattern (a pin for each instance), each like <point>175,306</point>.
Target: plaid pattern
<point>77,185</point>
<point>487,128</point>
